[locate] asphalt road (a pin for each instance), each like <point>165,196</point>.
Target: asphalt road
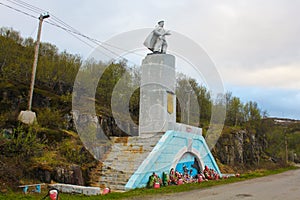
<point>280,186</point>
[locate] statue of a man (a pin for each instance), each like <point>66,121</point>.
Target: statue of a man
<point>156,41</point>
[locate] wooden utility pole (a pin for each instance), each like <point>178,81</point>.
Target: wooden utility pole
<point>36,55</point>
<point>28,116</point>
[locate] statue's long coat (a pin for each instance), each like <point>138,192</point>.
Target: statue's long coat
<point>151,40</point>
<point>153,37</point>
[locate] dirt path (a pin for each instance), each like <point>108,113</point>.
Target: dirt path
<point>280,186</point>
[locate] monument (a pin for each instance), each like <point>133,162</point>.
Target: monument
<point>156,41</point>
<point>158,85</point>
<point>162,143</point>
<point>157,90</point>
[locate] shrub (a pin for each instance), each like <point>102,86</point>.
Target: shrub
<point>50,118</point>
<point>24,143</point>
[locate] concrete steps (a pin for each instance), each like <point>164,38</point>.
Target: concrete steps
<point>124,158</point>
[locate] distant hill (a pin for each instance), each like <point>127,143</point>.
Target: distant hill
<point>284,121</point>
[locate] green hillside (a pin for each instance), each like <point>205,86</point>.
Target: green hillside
<point>52,151</point>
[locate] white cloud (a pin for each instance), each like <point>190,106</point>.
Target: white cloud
<point>283,76</point>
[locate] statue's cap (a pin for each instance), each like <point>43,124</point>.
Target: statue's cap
<point>161,21</point>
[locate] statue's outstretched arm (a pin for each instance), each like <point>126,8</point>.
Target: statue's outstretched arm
<point>157,33</point>
<point>161,34</point>
<point>167,33</point>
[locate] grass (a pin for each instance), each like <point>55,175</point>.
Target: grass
<point>139,193</point>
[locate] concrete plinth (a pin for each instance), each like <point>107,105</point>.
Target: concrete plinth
<point>27,117</point>
<point>157,93</point>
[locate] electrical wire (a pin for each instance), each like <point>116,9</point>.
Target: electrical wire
<point>23,6</point>
<point>54,24</point>
<point>69,29</point>
<point>38,10</point>
<point>18,10</point>
<point>84,36</point>
<point>98,42</point>
<point>73,30</point>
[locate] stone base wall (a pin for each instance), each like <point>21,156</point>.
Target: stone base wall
<point>124,158</point>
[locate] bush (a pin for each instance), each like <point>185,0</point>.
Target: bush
<point>50,119</point>
<point>75,152</point>
<point>24,143</point>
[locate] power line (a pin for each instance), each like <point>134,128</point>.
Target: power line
<point>74,35</point>
<point>69,29</point>
<point>24,6</point>
<point>20,11</point>
<point>63,23</point>
<point>39,10</point>
<point>84,36</point>
<point>101,43</point>
<point>65,29</point>
<point>53,24</point>
<point>73,31</point>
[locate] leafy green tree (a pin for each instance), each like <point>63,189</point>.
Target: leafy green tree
<point>108,80</point>
<point>234,112</point>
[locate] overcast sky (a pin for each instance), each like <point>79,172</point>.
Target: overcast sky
<point>255,44</point>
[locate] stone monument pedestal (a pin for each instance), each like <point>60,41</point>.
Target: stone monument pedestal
<point>157,94</point>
